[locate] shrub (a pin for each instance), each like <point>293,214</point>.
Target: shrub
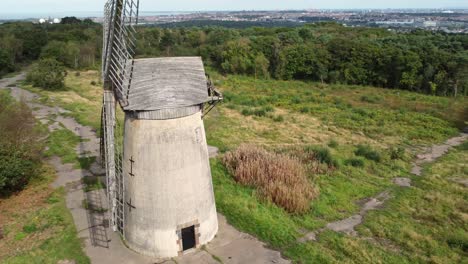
<point>333,143</point>
<point>278,118</point>
<point>323,155</point>
<point>93,83</point>
<point>77,74</point>
<point>305,110</point>
<point>464,146</point>
<point>367,152</point>
<point>20,145</point>
<point>373,99</point>
<point>279,178</point>
<point>48,74</point>
<point>355,162</point>
<point>247,112</point>
<point>397,153</point>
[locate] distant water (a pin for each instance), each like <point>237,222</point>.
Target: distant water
<point>78,14</point>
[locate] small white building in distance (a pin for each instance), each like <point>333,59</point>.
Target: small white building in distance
<point>430,23</point>
<point>50,20</point>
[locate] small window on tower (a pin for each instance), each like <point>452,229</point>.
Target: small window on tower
<point>188,238</point>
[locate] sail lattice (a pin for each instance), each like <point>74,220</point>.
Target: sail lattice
<point>120,19</point>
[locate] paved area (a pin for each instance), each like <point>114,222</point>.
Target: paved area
<point>101,244</point>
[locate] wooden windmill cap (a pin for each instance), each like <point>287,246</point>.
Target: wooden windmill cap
<point>167,83</point>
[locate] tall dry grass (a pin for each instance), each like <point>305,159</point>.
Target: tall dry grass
<point>279,178</point>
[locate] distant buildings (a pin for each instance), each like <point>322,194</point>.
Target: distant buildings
<point>49,21</point>
<point>430,23</point>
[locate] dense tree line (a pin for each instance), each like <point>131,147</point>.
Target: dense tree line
<point>420,61</point>
<point>74,43</point>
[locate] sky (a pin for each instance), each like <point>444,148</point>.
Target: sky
<point>51,6</point>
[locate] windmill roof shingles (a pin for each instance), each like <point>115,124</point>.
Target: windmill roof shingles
<point>167,83</point>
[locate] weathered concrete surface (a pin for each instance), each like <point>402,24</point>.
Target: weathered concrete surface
<point>168,181</point>
<point>436,151</point>
<point>213,151</point>
<point>402,182</point>
<point>101,244</point>
<point>347,225</point>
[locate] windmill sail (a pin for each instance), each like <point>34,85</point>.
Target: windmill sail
<point>121,17</point>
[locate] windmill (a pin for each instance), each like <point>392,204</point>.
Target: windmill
<point>158,175</point>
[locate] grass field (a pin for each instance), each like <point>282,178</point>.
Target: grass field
<point>370,134</point>
<point>37,225</point>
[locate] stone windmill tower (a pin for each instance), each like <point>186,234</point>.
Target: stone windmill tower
<point>158,176</point>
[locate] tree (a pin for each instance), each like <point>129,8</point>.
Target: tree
<point>20,145</point>
<point>68,53</point>
<point>70,21</point>
<point>5,63</point>
<point>261,66</point>
<point>237,57</point>
<point>48,74</point>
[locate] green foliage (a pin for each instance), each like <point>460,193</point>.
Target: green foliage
<point>464,146</point>
<point>333,144</point>
<point>20,145</point>
<point>66,53</point>
<point>355,162</point>
<point>323,155</point>
<point>397,153</point>
<point>48,74</point>
<point>373,99</point>
<point>367,152</point>
<point>6,64</point>
<point>278,118</point>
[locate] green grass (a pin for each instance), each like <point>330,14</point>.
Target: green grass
<point>44,233</point>
<point>62,143</point>
<point>371,135</point>
<point>93,184</point>
<point>409,117</point>
<point>80,98</point>
<point>428,222</point>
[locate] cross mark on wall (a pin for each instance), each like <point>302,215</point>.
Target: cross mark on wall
<point>131,166</point>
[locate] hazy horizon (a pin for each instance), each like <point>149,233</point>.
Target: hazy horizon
<point>84,14</point>
<point>51,7</point>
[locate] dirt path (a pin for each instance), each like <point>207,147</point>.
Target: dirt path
<point>348,225</point>
<point>101,244</point>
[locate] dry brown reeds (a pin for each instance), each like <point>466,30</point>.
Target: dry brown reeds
<point>279,178</point>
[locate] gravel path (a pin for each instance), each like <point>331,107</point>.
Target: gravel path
<point>101,244</point>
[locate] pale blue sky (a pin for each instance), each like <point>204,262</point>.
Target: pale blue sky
<point>40,6</point>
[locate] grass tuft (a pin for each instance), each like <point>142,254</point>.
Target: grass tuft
<point>367,152</point>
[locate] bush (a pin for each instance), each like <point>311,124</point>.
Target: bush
<point>48,74</point>
<point>278,118</point>
<point>20,145</point>
<point>373,99</point>
<point>333,143</point>
<point>367,152</point>
<point>464,146</point>
<point>355,162</point>
<point>305,110</point>
<point>397,153</point>
<point>279,178</point>
<point>323,155</point>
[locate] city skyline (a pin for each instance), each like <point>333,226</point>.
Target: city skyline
<point>77,6</point>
